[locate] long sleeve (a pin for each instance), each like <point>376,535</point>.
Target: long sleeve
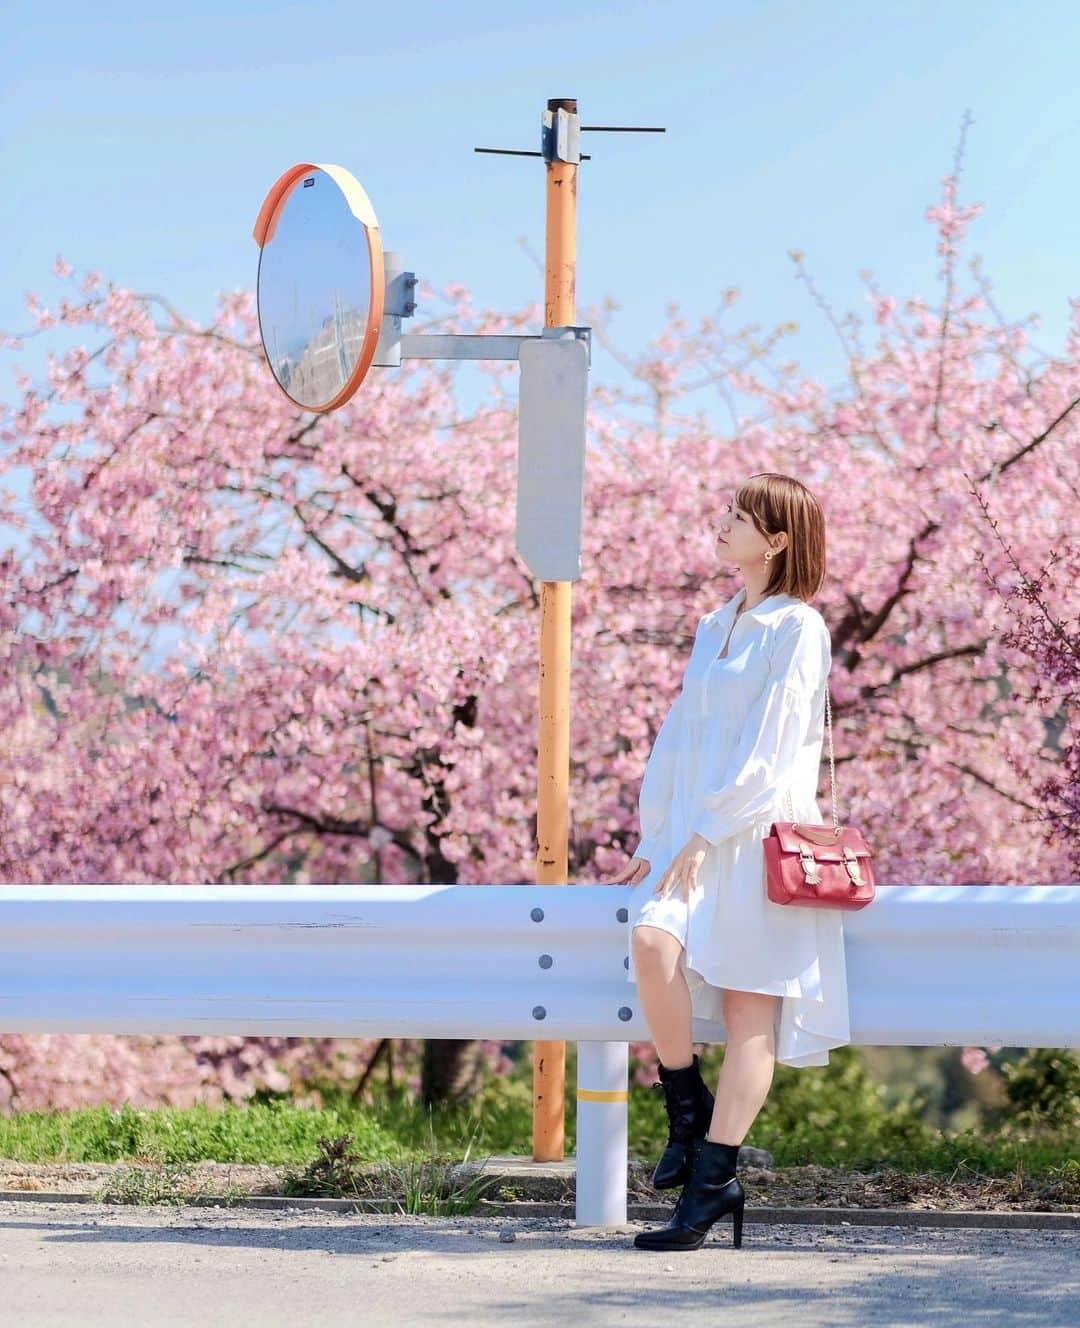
<point>658,781</point>
<point>743,785</point>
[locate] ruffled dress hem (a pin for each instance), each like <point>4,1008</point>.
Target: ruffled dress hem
<point>806,1028</point>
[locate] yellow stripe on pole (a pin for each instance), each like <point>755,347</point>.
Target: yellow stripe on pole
<point>599,1095</point>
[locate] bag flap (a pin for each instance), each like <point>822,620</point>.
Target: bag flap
<point>821,840</point>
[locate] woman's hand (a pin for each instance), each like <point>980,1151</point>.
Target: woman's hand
<point>633,873</point>
<point>682,874</point>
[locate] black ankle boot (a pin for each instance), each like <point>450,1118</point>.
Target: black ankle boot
<point>712,1190</point>
<point>689,1108</point>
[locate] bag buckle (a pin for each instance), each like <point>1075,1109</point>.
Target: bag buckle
<point>811,867</point>
<point>851,862</point>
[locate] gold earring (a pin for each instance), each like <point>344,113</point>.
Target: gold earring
<point>768,556</point>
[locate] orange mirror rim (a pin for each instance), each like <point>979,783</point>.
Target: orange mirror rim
<point>360,206</point>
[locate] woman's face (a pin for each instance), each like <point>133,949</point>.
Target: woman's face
<point>739,540</point>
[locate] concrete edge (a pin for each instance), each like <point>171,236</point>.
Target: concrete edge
<point>635,1212</point>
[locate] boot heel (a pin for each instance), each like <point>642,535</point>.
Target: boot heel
<point>712,1192</point>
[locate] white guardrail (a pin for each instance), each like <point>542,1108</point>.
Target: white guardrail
<point>926,966</point>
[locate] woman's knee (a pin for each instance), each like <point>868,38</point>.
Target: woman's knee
<point>749,1013</point>
<point>654,949</point>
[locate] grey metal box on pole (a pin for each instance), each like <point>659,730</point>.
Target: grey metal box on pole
<point>551,455</point>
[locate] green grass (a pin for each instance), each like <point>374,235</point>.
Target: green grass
<point>271,1132</point>
<point>836,1116</point>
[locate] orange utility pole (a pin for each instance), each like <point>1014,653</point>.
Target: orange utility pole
<point>553,791</point>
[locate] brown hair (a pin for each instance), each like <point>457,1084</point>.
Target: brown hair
<point>782,503</point>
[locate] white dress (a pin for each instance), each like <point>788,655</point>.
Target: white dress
<point>743,729</point>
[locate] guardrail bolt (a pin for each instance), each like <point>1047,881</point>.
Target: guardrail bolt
<point>622,914</point>
<point>546,961</point>
<point>539,1012</point>
<point>625,1013</point>
<point>537,915</point>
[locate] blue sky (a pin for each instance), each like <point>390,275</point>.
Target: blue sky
<point>140,141</point>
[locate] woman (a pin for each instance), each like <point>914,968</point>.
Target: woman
<point>712,956</point>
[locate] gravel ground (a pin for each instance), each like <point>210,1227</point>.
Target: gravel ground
<point>98,1264</point>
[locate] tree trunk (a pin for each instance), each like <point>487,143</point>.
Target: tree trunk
<point>452,1071</point>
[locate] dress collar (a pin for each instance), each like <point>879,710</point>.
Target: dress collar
<point>769,603</point>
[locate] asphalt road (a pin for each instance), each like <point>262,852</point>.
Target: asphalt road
<point>76,1265</point>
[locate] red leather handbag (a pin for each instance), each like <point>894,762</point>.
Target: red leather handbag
<point>818,866</point>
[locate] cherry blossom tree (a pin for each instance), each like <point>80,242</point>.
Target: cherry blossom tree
<point>265,646</point>
<point>1048,634</point>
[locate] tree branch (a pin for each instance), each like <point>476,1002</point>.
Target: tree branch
<point>989,783</point>
<point>999,468</point>
<point>973,648</point>
<point>256,857</point>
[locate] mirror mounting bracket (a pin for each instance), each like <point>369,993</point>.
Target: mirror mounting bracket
<point>395,345</point>
<point>467,346</point>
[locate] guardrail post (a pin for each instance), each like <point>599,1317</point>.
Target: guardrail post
<point>601,1157</point>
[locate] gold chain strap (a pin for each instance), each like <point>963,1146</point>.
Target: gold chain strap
<point>832,770</point>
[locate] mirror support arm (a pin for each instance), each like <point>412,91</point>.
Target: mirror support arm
<point>435,346</point>
<point>395,345</point>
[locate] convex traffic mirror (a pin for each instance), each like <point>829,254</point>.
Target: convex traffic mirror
<point>321,284</point>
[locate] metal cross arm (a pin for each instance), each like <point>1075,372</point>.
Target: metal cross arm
<point>468,346</point>
<point>395,345</point>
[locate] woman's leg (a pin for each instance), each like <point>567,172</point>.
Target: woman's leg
<point>665,997</point>
<point>749,1060</point>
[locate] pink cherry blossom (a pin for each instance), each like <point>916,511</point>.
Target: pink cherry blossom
<point>974,1060</point>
